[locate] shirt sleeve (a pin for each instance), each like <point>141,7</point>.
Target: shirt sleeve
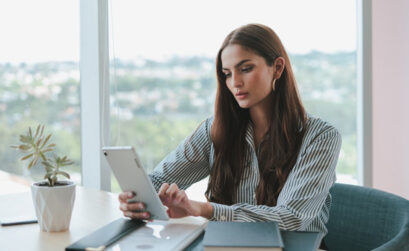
<point>304,193</point>
<point>188,163</point>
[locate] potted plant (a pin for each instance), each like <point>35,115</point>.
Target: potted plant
<point>53,198</point>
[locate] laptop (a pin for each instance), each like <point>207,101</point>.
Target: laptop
<point>175,234</point>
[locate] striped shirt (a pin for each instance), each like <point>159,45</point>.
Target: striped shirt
<point>303,203</point>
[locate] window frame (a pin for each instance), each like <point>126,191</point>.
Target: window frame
<point>94,79</point>
<point>364,93</point>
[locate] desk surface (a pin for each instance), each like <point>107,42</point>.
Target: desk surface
<point>92,210</point>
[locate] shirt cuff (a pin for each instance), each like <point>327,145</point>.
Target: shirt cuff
<point>221,212</point>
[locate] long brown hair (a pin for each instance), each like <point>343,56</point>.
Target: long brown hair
<point>279,149</point>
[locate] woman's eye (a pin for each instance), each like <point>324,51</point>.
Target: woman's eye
<point>247,69</point>
<point>227,75</point>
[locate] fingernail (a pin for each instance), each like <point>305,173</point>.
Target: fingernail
<point>130,194</point>
<point>146,215</point>
<point>128,214</point>
<point>141,206</point>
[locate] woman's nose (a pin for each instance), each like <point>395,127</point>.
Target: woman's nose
<point>236,80</point>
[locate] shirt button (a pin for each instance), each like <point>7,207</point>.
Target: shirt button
<point>222,217</point>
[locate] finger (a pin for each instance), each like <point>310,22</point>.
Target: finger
<point>162,191</point>
<point>124,196</point>
<point>137,215</point>
<point>169,213</point>
<point>134,206</point>
<point>123,207</point>
<point>172,191</point>
<point>181,195</point>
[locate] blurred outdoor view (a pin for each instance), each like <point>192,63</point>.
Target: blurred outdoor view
<point>160,94</point>
<point>46,93</point>
<point>157,104</point>
<point>157,111</point>
<point>39,81</point>
<point>163,80</point>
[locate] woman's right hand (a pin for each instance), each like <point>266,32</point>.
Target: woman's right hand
<point>133,210</point>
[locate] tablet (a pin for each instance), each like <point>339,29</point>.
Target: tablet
<point>131,176</point>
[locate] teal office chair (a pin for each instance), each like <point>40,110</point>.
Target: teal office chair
<point>367,219</point>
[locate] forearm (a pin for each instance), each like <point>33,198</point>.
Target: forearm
<point>242,212</point>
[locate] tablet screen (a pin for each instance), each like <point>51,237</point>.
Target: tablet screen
<point>131,176</point>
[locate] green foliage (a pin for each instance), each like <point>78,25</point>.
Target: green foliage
<point>154,136</point>
<point>35,147</point>
<point>53,168</point>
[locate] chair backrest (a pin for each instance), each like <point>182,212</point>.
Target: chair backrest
<point>364,219</point>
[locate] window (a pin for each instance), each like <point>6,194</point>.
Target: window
<point>39,79</point>
<point>163,77</point>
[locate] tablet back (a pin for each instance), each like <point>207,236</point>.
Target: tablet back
<point>131,176</point>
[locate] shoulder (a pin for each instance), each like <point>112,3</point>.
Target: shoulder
<point>209,121</point>
<point>203,130</point>
<point>318,129</point>
<point>207,125</point>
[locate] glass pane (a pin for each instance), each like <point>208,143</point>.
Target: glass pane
<point>163,72</point>
<point>39,84</point>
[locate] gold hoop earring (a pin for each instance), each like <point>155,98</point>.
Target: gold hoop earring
<point>273,84</point>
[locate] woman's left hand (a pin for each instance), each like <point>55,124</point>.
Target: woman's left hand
<point>179,204</point>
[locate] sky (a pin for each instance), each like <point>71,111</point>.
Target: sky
<point>48,30</point>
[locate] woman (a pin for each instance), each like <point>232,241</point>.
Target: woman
<point>267,159</point>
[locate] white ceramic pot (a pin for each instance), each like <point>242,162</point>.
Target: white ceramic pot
<point>53,205</point>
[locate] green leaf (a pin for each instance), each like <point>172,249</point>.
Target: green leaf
<point>48,167</point>
<point>24,147</point>
<point>42,130</point>
<point>30,132</point>
<point>46,139</point>
<point>25,139</point>
<point>35,160</point>
<point>30,164</point>
<point>64,174</point>
<point>54,180</point>
<point>46,164</point>
<point>37,131</point>
<point>39,142</point>
<point>27,156</point>
<point>43,156</point>
<point>49,181</point>
<point>67,163</point>
<point>48,175</point>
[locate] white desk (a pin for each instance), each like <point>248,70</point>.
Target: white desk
<point>92,210</point>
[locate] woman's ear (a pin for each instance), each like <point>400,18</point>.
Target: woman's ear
<point>278,66</point>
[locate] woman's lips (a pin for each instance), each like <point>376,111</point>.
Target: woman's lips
<point>241,95</point>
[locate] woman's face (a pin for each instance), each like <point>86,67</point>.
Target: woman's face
<point>248,76</point>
